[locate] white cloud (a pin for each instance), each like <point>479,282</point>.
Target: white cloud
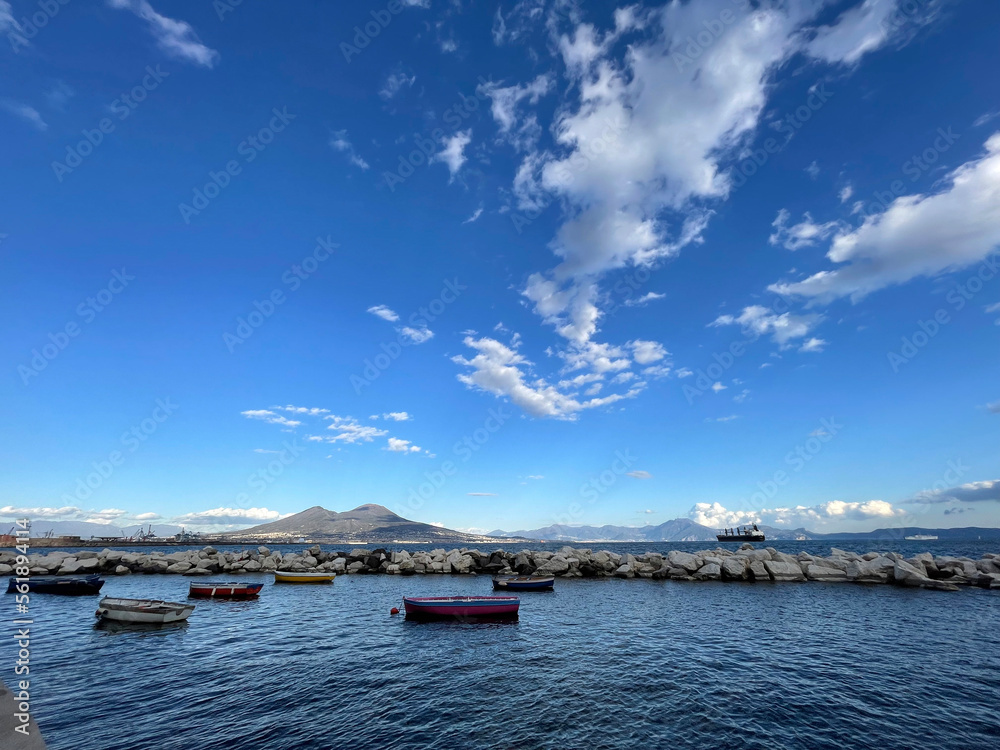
<point>813,170</point>
<point>717,516</point>
<point>401,446</point>
<point>534,476</point>
<point>972,492</point>
<point>504,104</point>
<point>395,82</point>
<point>861,29</point>
<point>845,193</point>
<point>417,335</point>
<point>397,416</point>
<point>26,112</point>
<point>453,153</point>
<point>646,352</point>
<point>270,417</point>
<point>757,320</point>
<point>475,215</point>
<point>729,418</point>
<point>803,234</point>
<point>310,411</point>
<point>349,430</point>
<point>684,372</point>
<point>739,398</point>
<point>985,118</point>
<point>176,38</point>
<point>644,299</point>
<point>639,474</point>
<point>339,142</point>
<point>917,235</point>
<point>384,312</point>
<point>813,345</point>
<point>992,308</point>
<point>219,516</point>
<point>503,372</point>
<point>717,387</point>
<point>481,494</point>
<point>6,16</point>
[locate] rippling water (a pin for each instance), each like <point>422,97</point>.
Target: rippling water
<point>596,664</point>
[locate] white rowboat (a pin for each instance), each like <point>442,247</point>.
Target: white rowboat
<point>142,610</point>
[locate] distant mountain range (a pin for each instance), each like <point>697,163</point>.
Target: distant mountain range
<point>365,524</point>
<point>686,530</point>
<point>677,530</point>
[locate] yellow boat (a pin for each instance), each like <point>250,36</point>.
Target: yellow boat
<point>286,577</point>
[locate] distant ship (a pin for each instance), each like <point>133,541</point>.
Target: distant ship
<point>745,534</point>
<point>921,538</point>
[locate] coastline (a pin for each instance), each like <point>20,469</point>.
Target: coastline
<point>747,564</point>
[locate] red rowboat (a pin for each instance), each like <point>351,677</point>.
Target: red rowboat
<point>225,590</point>
<point>443,607</point>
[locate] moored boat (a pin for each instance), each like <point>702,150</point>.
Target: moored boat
<point>464,607</point>
<point>51,585</point>
<point>523,583</point>
<point>227,590</point>
<point>151,611</point>
<point>287,577</point>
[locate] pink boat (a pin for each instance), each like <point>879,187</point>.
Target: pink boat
<point>465,607</point>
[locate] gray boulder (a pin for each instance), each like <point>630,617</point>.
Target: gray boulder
<point>784,571</point>
<point>816,572</point>
<point>709,572</point>
<point>736,568</point>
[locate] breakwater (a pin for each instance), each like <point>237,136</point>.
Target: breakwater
<point>923,570</point>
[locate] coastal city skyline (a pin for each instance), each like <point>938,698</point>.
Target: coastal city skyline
<point>502,267</point>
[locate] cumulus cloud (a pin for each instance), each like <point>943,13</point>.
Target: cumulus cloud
<point>917,235</point>
<point>502,371</point>
<point>972,492</point>
<point>504,105</point>
<point>757,320</point>
<point>453,153</point>
<point>417,335</point>
<point>397,445</point>
<point>266,415</point>
<point>397,416</point>
<point>813,345</point>
<point>804,234</point>
<point>645,352</point>
<point>349,430</point>
<point>223,516</point>
<point>866,27</point>
<point>384,312</point>
<point>340,142</point>
<point>176,38</point>
<point>306,410</point>
<point>718,516</point>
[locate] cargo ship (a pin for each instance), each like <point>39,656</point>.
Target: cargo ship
<point>744,534</point>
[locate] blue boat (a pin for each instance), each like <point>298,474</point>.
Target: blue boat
<point>81,586</point>
<point>523,583</point>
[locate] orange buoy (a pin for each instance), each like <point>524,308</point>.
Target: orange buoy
<point>394,611</point>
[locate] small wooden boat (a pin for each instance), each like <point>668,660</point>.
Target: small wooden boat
<point>471,607</point>
<point>286,577</point>
<point>225,590</point>
<point>523,583</point>
<point>52,585</point>
<point>151,611</point>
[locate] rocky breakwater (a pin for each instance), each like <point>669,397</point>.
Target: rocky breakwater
<point>746,564</point>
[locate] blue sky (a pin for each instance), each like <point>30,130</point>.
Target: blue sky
<point>500,265</point>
